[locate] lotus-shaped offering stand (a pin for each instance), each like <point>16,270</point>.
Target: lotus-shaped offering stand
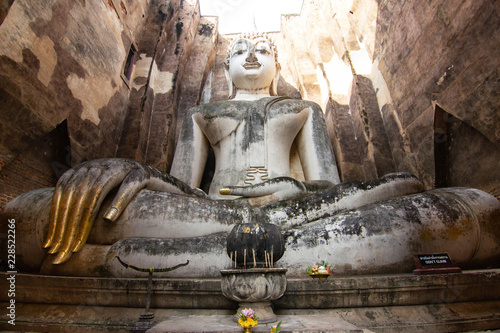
<point>255,288</point>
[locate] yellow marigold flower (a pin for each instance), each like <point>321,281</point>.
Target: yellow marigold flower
<point>247,323</point>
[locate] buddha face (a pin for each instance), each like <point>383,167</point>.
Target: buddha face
<point>252,64</point>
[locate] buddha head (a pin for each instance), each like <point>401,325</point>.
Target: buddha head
<point>252,64</point>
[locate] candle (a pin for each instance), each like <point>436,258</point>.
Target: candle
<point>231,260</point>
<point>235,259</point>
<point>244,258</point>
<point>254,263</point>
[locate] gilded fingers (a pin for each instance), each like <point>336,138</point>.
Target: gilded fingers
<point>60,218</point>
<point>80,192</point>
<point>79,188</point>
<point>54,208</point>
<point>65,208</point>
<point>65,243</point>
<point>76,201</point>
<point>87,220</point>
<point>102,186</point>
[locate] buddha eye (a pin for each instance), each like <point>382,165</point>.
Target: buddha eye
<point>239,52</point>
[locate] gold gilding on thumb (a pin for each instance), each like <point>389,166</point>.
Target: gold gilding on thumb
<point>225,191</point>
<point>111,214</point>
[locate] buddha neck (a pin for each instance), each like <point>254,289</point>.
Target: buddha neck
<point>251,95</point>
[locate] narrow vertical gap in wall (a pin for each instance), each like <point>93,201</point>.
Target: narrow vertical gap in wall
<point>441,162</point>
<point>39,165</point>
<point>61,149</point>
<point>128,65</point>
<point>464,156</point>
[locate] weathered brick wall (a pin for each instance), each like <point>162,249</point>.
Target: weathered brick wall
<point>444,53</point>
<point>163,71</point>
<point>39,166</point>
<point>316,53</point>
<point>66,63</point>
<point>62,60</point>
<point>23,174</point>
<point>198,67</point>
<point>423,55</point>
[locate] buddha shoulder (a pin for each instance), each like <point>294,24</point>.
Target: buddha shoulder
<point>229,109</point>
<point>287,106</point>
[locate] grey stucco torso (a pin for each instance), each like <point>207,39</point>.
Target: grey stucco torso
<point>252,140</point>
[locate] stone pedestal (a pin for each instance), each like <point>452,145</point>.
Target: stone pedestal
<point>464,302</point>
<point>255,288</point>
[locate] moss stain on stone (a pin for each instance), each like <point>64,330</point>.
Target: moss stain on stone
<point>205,30</point>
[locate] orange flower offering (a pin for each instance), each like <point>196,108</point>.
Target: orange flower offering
<point>276,329</point>
<point>249,322</point>
<point>247,318</point>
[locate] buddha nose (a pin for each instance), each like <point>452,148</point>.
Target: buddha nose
<point>251,56</point>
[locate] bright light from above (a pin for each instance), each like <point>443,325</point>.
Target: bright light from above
<point>361,60</point>
<point>236,16</point>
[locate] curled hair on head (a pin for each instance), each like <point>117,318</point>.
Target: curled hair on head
<point>251,36</point>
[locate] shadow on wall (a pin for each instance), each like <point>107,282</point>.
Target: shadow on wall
<point>286,89</point>
<point>38,166</point>
<point>4,9</point>
<point>463,156</point>
<point>440,53</point>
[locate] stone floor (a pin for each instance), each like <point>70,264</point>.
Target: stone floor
<point>467,302</point>
<point>457,317</point>
<point>477,316</point>
<point>290,323</point>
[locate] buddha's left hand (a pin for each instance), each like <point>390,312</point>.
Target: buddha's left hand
<point>276,189</point>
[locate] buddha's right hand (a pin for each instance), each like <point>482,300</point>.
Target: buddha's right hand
<point>80,192</point>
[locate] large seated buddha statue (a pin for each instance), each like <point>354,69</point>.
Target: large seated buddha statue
<point>274,164</point>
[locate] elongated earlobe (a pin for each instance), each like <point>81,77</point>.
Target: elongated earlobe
<point>230,84</point>
<point>274,84</point>
<point>232,90</point>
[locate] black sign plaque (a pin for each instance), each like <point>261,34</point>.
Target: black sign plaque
<point>434,263</point>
